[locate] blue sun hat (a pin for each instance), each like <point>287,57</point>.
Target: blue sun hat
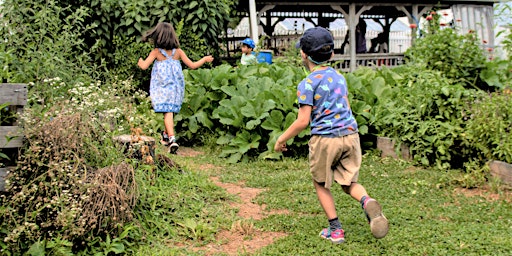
<point>248,42</point>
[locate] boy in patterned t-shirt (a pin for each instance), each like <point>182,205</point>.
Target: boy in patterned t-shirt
<point>334,147</point>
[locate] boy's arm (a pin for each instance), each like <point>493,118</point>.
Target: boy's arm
<point>297,126</point>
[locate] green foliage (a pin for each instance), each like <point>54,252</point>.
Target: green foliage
<point>289,55</point>
<point>488,133</point>
<point>188,213</point>
<point>240,105</point>
<point>497,73</point>
<point>57,199</point>
<point>6,58</point>
<point>367,90</point>
<point>44,40</point>
<point>7,116</point>
<point>458,57</point>
<point>128,50</point>
<point>424,111</point>
<point>203,22</point>
<point>474,175</point>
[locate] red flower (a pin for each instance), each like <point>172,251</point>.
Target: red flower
<point>445,14</point>
<point>442,24</point>
<point>484,41</point>
<point>413,26</point>
<point>490,49</point>
<point>458,20</point>
<point>429,17</point>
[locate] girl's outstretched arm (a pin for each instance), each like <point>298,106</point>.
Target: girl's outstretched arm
<point>193,65</point>
<point>144,64</point>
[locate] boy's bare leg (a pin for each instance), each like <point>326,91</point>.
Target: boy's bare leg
<point>355,190</point>
<point>326,200</point>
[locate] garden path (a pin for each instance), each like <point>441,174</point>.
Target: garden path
<point>243,237</point>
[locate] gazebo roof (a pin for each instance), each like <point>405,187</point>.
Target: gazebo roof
<point>288,8</point>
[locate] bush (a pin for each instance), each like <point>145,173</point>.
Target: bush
<point>43,41</point>
<point>458,57</point>
<point>71,189</point>
<point>425,112</point>
<point>488,128</point>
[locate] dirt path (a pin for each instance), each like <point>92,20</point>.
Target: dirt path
<point>243,237</point>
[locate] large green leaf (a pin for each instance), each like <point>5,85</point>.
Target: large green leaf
<point>229,113</point>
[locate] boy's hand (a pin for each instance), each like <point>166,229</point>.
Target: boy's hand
<point>280,147</point>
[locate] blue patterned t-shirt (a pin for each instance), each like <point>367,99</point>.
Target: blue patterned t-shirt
<point>326,91</point>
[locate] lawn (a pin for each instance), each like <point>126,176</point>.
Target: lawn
<point>428,215</point>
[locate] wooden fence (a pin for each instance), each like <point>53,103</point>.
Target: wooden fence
<point>373,60</point>
<point>11,135</point>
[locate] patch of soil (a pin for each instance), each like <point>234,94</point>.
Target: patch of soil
<point>186,151</point>
<point>485,193</point>
<point>248,209</point>
<point>243,237</point>
<point>236,243</point>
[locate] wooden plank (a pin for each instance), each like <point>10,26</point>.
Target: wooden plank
<point>11,137</point>
<point>14,94</point>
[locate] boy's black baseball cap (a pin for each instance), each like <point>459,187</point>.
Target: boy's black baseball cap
<point>314,39</point>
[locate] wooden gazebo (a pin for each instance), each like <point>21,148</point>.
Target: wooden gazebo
<point>474,15</point>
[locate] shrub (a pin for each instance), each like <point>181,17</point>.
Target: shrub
<point>488,128</point>
<point>71,189</point>
<point>44,41</point>
<point>58,189</point>
<point>458,57</point>
<point>425,112</point>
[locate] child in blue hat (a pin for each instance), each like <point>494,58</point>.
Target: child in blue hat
<point>334,148</point>
<point>247,56</point>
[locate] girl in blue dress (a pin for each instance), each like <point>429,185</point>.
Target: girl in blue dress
<point>167,85</point>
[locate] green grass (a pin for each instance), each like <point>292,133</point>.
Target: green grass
<point>427,215</point>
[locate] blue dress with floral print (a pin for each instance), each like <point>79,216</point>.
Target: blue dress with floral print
<point>167,85</point>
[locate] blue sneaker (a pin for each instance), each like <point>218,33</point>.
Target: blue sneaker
<point>337,236</point>
<point>378,223</point>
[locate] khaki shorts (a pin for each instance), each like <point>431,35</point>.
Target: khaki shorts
<point>339,158</point>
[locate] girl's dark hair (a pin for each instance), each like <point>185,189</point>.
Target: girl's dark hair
<point>163,36</point>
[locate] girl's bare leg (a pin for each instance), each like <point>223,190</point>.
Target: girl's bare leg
<point>169,123</point>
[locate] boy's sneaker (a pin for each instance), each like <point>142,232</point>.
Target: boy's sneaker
<point>378,222</point>
<point>337,236</point>
<point>173,146</point>
<point>165,138</point>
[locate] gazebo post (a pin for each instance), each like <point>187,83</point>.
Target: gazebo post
<point>352,23</point>
<point>253,21</point>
